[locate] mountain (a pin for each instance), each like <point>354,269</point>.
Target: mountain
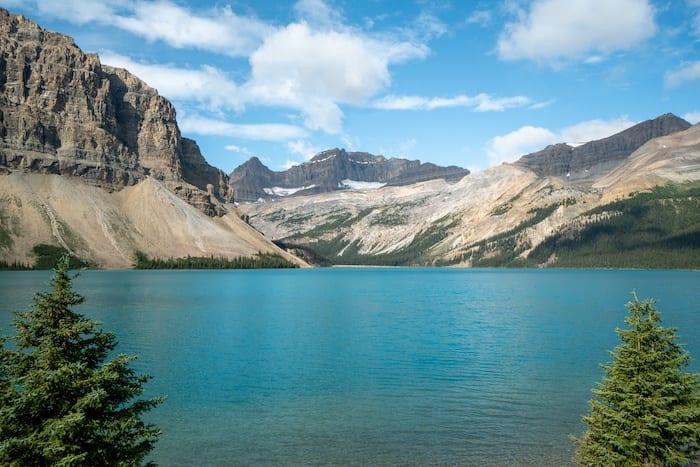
<point>513,215</point>
<point>333,170</point>
<point>92,161</point>
<point>595,158</point>
<point>63,112</point>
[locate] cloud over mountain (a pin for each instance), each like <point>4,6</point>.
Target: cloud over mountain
<point>555,31</point>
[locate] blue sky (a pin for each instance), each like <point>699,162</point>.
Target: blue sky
<point>467,83</point>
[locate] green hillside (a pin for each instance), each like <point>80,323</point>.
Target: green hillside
<point>659,229</point>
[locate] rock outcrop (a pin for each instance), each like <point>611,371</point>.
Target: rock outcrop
<point>63,112</point>
<point>596,158</point>
<point>333,170</point>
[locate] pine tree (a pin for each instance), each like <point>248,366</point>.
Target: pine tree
<point>62,402</point>
<point>647,409</point>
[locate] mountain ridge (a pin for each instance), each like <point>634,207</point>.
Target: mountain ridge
<point>494,217</point>
<point>331,170</point>
<point>594,158</point>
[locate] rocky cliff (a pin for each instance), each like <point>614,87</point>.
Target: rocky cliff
<point>595,158</point>
<point>333,170</point>
<point>63,112</point>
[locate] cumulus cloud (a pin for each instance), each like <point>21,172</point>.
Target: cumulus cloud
<point>261,132</point>
<point>313,66</point>
<point>315,71</point>
<point>309,70</point>
<point>594,129</point>
<point>688,72</point>
<point>510,147</point>
<point>301,148</point>
<point>480,102</point>
<point>555,31</point>
<point>218,30</point>
<point>208,86</point>
<point>692,117</point>
<point>75,11</point>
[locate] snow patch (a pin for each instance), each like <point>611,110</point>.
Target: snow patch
<point>279,191</point>
<point>362,162</point>
<point>332,156</point>
<point>355,185</point>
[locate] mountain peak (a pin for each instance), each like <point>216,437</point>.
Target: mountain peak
<point>596,157</point>
<point>334,169</point>
<point>65,113</point>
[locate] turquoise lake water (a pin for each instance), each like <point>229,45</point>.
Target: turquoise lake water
<point>353,366</point>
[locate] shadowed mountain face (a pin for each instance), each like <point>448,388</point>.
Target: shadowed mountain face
<point>333,170</point>
<point>595,158</point>
<point>63,112</point>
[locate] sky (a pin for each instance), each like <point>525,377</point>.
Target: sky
<point>452,82</point>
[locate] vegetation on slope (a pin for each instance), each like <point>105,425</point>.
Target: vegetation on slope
<point>328,252</point>
<point>505,248</point>
<point>47,257</point>
<point>658,229</point>
<point>259,261</point>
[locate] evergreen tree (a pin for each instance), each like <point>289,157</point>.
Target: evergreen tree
<point>647,409</point>
<point>62,402</point>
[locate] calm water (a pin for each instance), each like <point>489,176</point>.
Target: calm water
<point>369,366</point>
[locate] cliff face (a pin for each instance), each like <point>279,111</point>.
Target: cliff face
<point>63,112</point>
<point>595,158</point>
<point>332,170</point>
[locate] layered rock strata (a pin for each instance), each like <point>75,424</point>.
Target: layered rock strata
<point>63,112</point>
<point>596,158</point>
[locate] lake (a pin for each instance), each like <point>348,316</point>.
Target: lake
<point>369,366</point>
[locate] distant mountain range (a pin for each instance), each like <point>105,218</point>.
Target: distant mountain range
<point>92,161</point>
<point>333,170</point>
<point>586,206</point>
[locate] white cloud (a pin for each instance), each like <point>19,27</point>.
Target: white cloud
<point>692,117</point>
<point>688,72</point>
<point>555,31</point>
<point>594,129</point>
<point>237,149</point>
<point>260,132</point>
<point>208,86</point>
<point>480,103</point>
<point>317,13</point>
<point>315,71</point>
<point>510,147</point>
<point>313,66</point>
<point>218,30</point>
<point>303,148</point>
<point>75,11</point>
<point>480,17</point>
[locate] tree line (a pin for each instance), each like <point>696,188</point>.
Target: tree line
<point>257,261</point>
